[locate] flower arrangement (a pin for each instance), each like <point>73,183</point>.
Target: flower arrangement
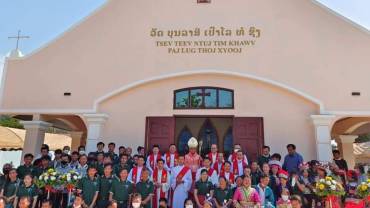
<point>329,187</point>
<point>363,189</point>
<point>70,179</point>
<point>48,180</point>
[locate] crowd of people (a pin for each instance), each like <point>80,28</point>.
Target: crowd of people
<point>171,179</point>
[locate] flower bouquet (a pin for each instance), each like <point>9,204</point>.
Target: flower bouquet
<point>70,181</point>
<point>49,181</point>
<point>363,190</point>
<point>330,190</point>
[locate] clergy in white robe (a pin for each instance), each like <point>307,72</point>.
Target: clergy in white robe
<point>135,173</point>
<point>181,181</point>
<point>161,179</point>
<point>212,173</point>
<point>151,162</point>
<point>170,158</point>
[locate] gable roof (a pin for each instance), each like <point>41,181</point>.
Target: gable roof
<point>103,6</point>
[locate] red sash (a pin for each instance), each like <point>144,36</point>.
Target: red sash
<point>233,157</point>
<point>153,163</point>
<point>168,158</point>
<point>215,166</point>
<point>155,180</point>
<point>179,177</point>
<point>231,176</point>
<point>182,173</point>
<point>236,167</point>
<point>211,158</point>
<point>134,174</point>
<point>210,172</point>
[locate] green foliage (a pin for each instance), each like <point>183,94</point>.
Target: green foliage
<point>363,138</point>
<point>8,121</point>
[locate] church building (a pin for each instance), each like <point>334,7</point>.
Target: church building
<point>227,72</point>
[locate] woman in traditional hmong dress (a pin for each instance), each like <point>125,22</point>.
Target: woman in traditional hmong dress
<point>246,196</point>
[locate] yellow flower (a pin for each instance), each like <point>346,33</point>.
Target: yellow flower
<point>368,180</point>
<point>321,186</point>
<point>328,178</point>
<point>363,187</point>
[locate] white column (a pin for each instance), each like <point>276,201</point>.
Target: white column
<point>95,124</point>
<point>35,135</point>
<point>323,125</point>
<point>348,150</point>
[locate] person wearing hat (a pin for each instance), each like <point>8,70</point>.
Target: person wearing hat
<point>193,159</point>
<point>283,178</point>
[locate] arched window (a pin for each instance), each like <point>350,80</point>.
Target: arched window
<point>207,137</point>
<point>184,137</point>
<point>228,142</point>
<point>204,98</point>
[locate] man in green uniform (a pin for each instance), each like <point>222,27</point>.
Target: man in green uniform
<point>146,189</point>
<point>112,154</point>
<point>121,189</point>
<point>89,186</point>
<point>44,166</point>
<point>105,186</point>
<point>100,163</point>
<point>203,188</point>
<point>11,187</point>
<point>27,167</point>
<point>123,164</point>
<point>223,194</point>
<point>27,189</point>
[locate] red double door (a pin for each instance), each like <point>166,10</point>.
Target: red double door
<point>247,131</point>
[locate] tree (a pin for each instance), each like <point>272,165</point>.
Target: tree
<point>8,121</point>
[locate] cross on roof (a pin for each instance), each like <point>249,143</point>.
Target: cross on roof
<point>18,37</point>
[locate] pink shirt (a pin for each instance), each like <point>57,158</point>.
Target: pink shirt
<point>253,196</point>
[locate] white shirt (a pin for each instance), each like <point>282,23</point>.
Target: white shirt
<point>138,175</point>
<point>240,167</point>
<point>262,194</point>
<point>214,158</point>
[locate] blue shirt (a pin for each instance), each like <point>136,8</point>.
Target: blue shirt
<point>292,162</point>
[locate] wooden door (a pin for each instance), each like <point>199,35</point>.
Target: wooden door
<point>160,131</point>
<point>248,132</point>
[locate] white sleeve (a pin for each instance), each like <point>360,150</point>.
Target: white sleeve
<point>129,178</point>
<point>197,175</point>
<point>148,164</point>
<point>214,178</point>
<point>188,180</point>
<point>165,163</point>
<point>245,159</point>
<point>167,185</point>
<point>230,157</point>
<point>173,180</point>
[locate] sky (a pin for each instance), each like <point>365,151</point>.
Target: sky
<point>44,20</point>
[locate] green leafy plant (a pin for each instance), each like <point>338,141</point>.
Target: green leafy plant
<point>8,121</point>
